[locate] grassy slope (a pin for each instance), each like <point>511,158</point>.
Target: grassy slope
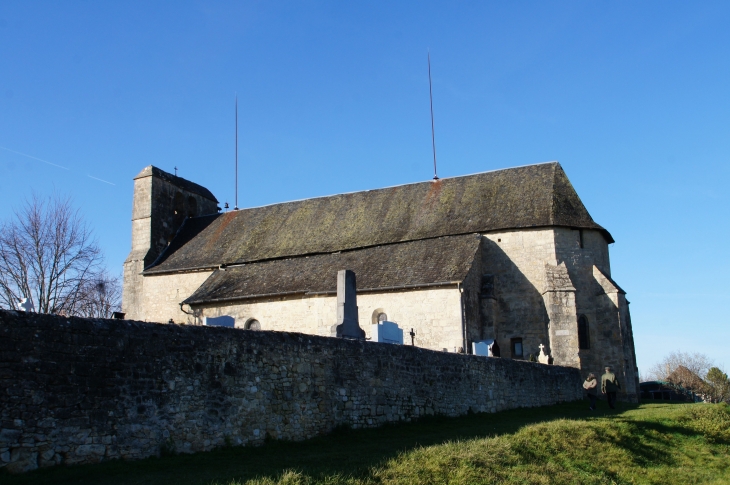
<point>651,443</point>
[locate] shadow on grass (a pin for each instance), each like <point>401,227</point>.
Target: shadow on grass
<point>344,452</point>
<point>647,442</point>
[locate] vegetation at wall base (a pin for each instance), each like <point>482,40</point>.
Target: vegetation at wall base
<point>653,443</point>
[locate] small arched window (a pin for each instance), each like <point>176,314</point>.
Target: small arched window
<point>584,340</point>
<point>192,206</point>
<point>253,324</point>
<point>379,316</point>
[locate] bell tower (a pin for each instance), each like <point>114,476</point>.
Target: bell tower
<point>161,203</point>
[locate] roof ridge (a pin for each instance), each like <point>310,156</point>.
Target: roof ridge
<point>552,162</point>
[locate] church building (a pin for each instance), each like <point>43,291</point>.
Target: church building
<point>509,255</point>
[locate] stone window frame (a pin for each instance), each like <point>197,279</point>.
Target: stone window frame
<point>377,314</point>
<point>584,334</point>
<point>252,322</point>
<point>513,348</point>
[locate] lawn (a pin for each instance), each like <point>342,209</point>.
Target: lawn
<point>650,443</point>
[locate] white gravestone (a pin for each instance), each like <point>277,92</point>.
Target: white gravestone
<point>224,321</point>
<point>542,358</point>
<point>482,347</point>
<point>26,305</point>
<point>387,332</point>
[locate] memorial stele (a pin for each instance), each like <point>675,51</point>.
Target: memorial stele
<point>509,255</point>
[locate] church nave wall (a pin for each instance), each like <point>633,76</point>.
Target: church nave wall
<point>434,314</point>
<point>162,294</point>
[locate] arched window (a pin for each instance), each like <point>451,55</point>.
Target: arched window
<point>178,208</point>
<point>192,206</point>
<point>252,324</point>
<point>584,340</point>
<point>379,315</point>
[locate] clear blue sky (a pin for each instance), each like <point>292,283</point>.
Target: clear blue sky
<point>631,97</point>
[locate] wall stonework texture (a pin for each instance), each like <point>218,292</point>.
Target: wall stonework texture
<point>82,391</point>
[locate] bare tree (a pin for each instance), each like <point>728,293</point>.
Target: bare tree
<point>100,296</point>
<point>680,364</point>
<point>687,370</point>
<point>48,255</point>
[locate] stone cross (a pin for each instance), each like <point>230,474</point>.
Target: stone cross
<point>347,325</point>
<point>542,358</point>
<point>26,305</point>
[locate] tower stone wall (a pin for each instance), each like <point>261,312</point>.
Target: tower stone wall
<point>160,204</point>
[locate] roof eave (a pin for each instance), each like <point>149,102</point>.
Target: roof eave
<point>417,286</point>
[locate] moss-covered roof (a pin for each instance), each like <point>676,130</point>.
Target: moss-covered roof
<point>524,197</point>
<point>412,264</point>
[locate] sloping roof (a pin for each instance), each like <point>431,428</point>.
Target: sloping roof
<point>426,262</point>
<point>523,197</point>
<point>185,184</point>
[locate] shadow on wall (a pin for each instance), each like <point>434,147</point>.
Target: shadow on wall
<point>512,308</point>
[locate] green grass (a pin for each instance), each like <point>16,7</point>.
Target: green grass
<point>651,443</point>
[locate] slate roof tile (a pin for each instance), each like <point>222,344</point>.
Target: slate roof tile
<point>523,197</point>
<point>414,263</point>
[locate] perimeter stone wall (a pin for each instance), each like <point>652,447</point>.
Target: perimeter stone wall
<point>82,391</point>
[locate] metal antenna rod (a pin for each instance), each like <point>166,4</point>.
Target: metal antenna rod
<point>235,207</point>
<point>433,136</point>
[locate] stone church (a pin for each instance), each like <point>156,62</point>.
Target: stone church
<point>511,255</point>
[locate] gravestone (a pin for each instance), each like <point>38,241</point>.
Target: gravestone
<point>224,321</point>
<point>387,332</point>
<point>347,325</point>
<point>482,347</point>
<point>543,358</point>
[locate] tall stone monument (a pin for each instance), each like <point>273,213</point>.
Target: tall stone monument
<point>347,325</point>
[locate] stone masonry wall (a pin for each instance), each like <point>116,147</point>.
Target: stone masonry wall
<point>544,280</point>
<point>433,313</point>
<point>161,295</point>
<point>158,210</point>
<point>518,310</point>
<point>81,391</point>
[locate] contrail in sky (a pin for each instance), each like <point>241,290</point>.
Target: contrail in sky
<point>35,158</point>
<point>100,180</point>
<point>55,165</point>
